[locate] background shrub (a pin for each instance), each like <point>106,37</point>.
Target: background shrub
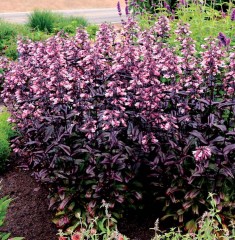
<point>4,66</point>
<point>41,26</point>
<point>92,30</point>
<point>8,34</point>
<point>154,6</point>
<point>126,118</point>
<point>205,21</point>
<point>69,24</point>
<point>5,134</point>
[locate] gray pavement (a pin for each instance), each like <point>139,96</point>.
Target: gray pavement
<point>96,16</point>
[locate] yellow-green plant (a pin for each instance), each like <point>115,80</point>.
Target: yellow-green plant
<point>6,133</point>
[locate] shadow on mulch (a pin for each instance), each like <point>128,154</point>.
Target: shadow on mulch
<point>139,224</point>
<point>28,215</point>
<point>137,227</point>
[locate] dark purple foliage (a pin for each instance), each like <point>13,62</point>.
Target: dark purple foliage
<point>125,114</point>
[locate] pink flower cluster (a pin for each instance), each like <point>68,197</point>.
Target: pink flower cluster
<point>202,153</point>
<point>126,73</point>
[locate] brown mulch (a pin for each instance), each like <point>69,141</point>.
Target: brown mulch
<point>28,215</point>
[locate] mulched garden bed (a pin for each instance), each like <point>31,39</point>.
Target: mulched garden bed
<point>28,215</point>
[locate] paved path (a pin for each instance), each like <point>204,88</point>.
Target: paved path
<point>97,16</point>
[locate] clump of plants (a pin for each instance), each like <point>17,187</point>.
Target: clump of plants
<point>47,21</point>
<point>8,32</point>
<point>42,20</point>
<point>4,65</point>
<point>125,118</point>
<point>208,226</point>
<point>92,30</point>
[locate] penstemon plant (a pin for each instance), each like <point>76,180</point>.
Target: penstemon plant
<point>126,117</point>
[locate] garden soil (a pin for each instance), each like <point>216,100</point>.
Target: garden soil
<point>30,5</point>
<point>28,215</point>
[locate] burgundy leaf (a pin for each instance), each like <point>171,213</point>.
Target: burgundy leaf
<point>65,148</point>
<point>199,136</point>
<point>229,148</point>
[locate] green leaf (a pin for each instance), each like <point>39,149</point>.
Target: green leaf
<point>101,225</point>
<point>218,218</point>
<point>5,236</point>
